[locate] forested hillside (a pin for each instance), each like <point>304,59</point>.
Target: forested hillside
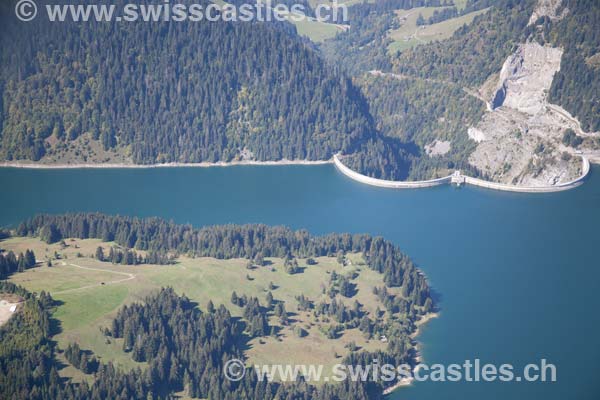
<point>576,86</point>
<point>172,92</point>
<point>151,93</point>
<point>418,112</point>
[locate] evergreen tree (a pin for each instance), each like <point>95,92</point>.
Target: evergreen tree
<point>99,253</point>
<point>234,298</point>
<point>22,263</point>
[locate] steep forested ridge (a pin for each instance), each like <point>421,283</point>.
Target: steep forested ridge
<point>576,86</point>
<point>418,112</point>
<point>173,92</point>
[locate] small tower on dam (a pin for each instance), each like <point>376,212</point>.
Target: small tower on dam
<point>457,178</point>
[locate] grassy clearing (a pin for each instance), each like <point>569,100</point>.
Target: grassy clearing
<point>314,30</point>
<point>460,4</point>
<point>317,31</point>
<point>89,299</point>
<point>410,35</point>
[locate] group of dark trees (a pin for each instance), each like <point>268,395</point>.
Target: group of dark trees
<point>27,367</point>
<point>10,263</point>
<point>339,311</point>
<point>256,317</point>
<point>120,256</point>
<point>127,256</point>
<point>80,359</point>
<point>291,265</point>
<point>570,138</point>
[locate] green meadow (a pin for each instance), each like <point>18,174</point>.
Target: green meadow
<point>89,293</point>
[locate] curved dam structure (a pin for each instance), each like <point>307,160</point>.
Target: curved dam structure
<point>460,179</point>
<point>385,183</point>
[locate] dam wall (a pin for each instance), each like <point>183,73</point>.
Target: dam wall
<point>458,178</point>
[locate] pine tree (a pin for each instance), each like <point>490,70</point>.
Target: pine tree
<point>22,265</point>
<point>100,253</point>
<point>234,298</point>
<point>29,259</point>
<point>210,307</point>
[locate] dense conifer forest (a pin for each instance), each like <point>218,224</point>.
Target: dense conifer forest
<point>173,92</point>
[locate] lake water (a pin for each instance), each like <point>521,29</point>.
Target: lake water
<point>518,274</point>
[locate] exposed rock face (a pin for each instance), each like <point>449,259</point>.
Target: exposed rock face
<point>547,8</point>
<point>437,148</point>
<point>519,148</point>
<point>520,140</point>
<point>476,134</point>
<point>526,77</point>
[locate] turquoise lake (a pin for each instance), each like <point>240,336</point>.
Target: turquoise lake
<point>518,275</point>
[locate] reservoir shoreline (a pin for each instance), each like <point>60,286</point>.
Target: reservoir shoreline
<point>418,358</point>
<point>456,178</point>
<point>30,165</point>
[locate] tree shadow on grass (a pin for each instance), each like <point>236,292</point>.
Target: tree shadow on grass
<point>55,326</point>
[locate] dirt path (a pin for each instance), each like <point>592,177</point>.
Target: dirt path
<point>128,275</point>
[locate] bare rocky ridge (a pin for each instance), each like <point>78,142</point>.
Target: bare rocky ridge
<point>547,8</point>
<point>438,148</point>
<point>526,76</point>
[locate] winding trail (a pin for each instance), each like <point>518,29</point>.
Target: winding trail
<point>128,275</point>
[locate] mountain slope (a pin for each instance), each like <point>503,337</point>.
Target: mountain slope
<point>170,92</point>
